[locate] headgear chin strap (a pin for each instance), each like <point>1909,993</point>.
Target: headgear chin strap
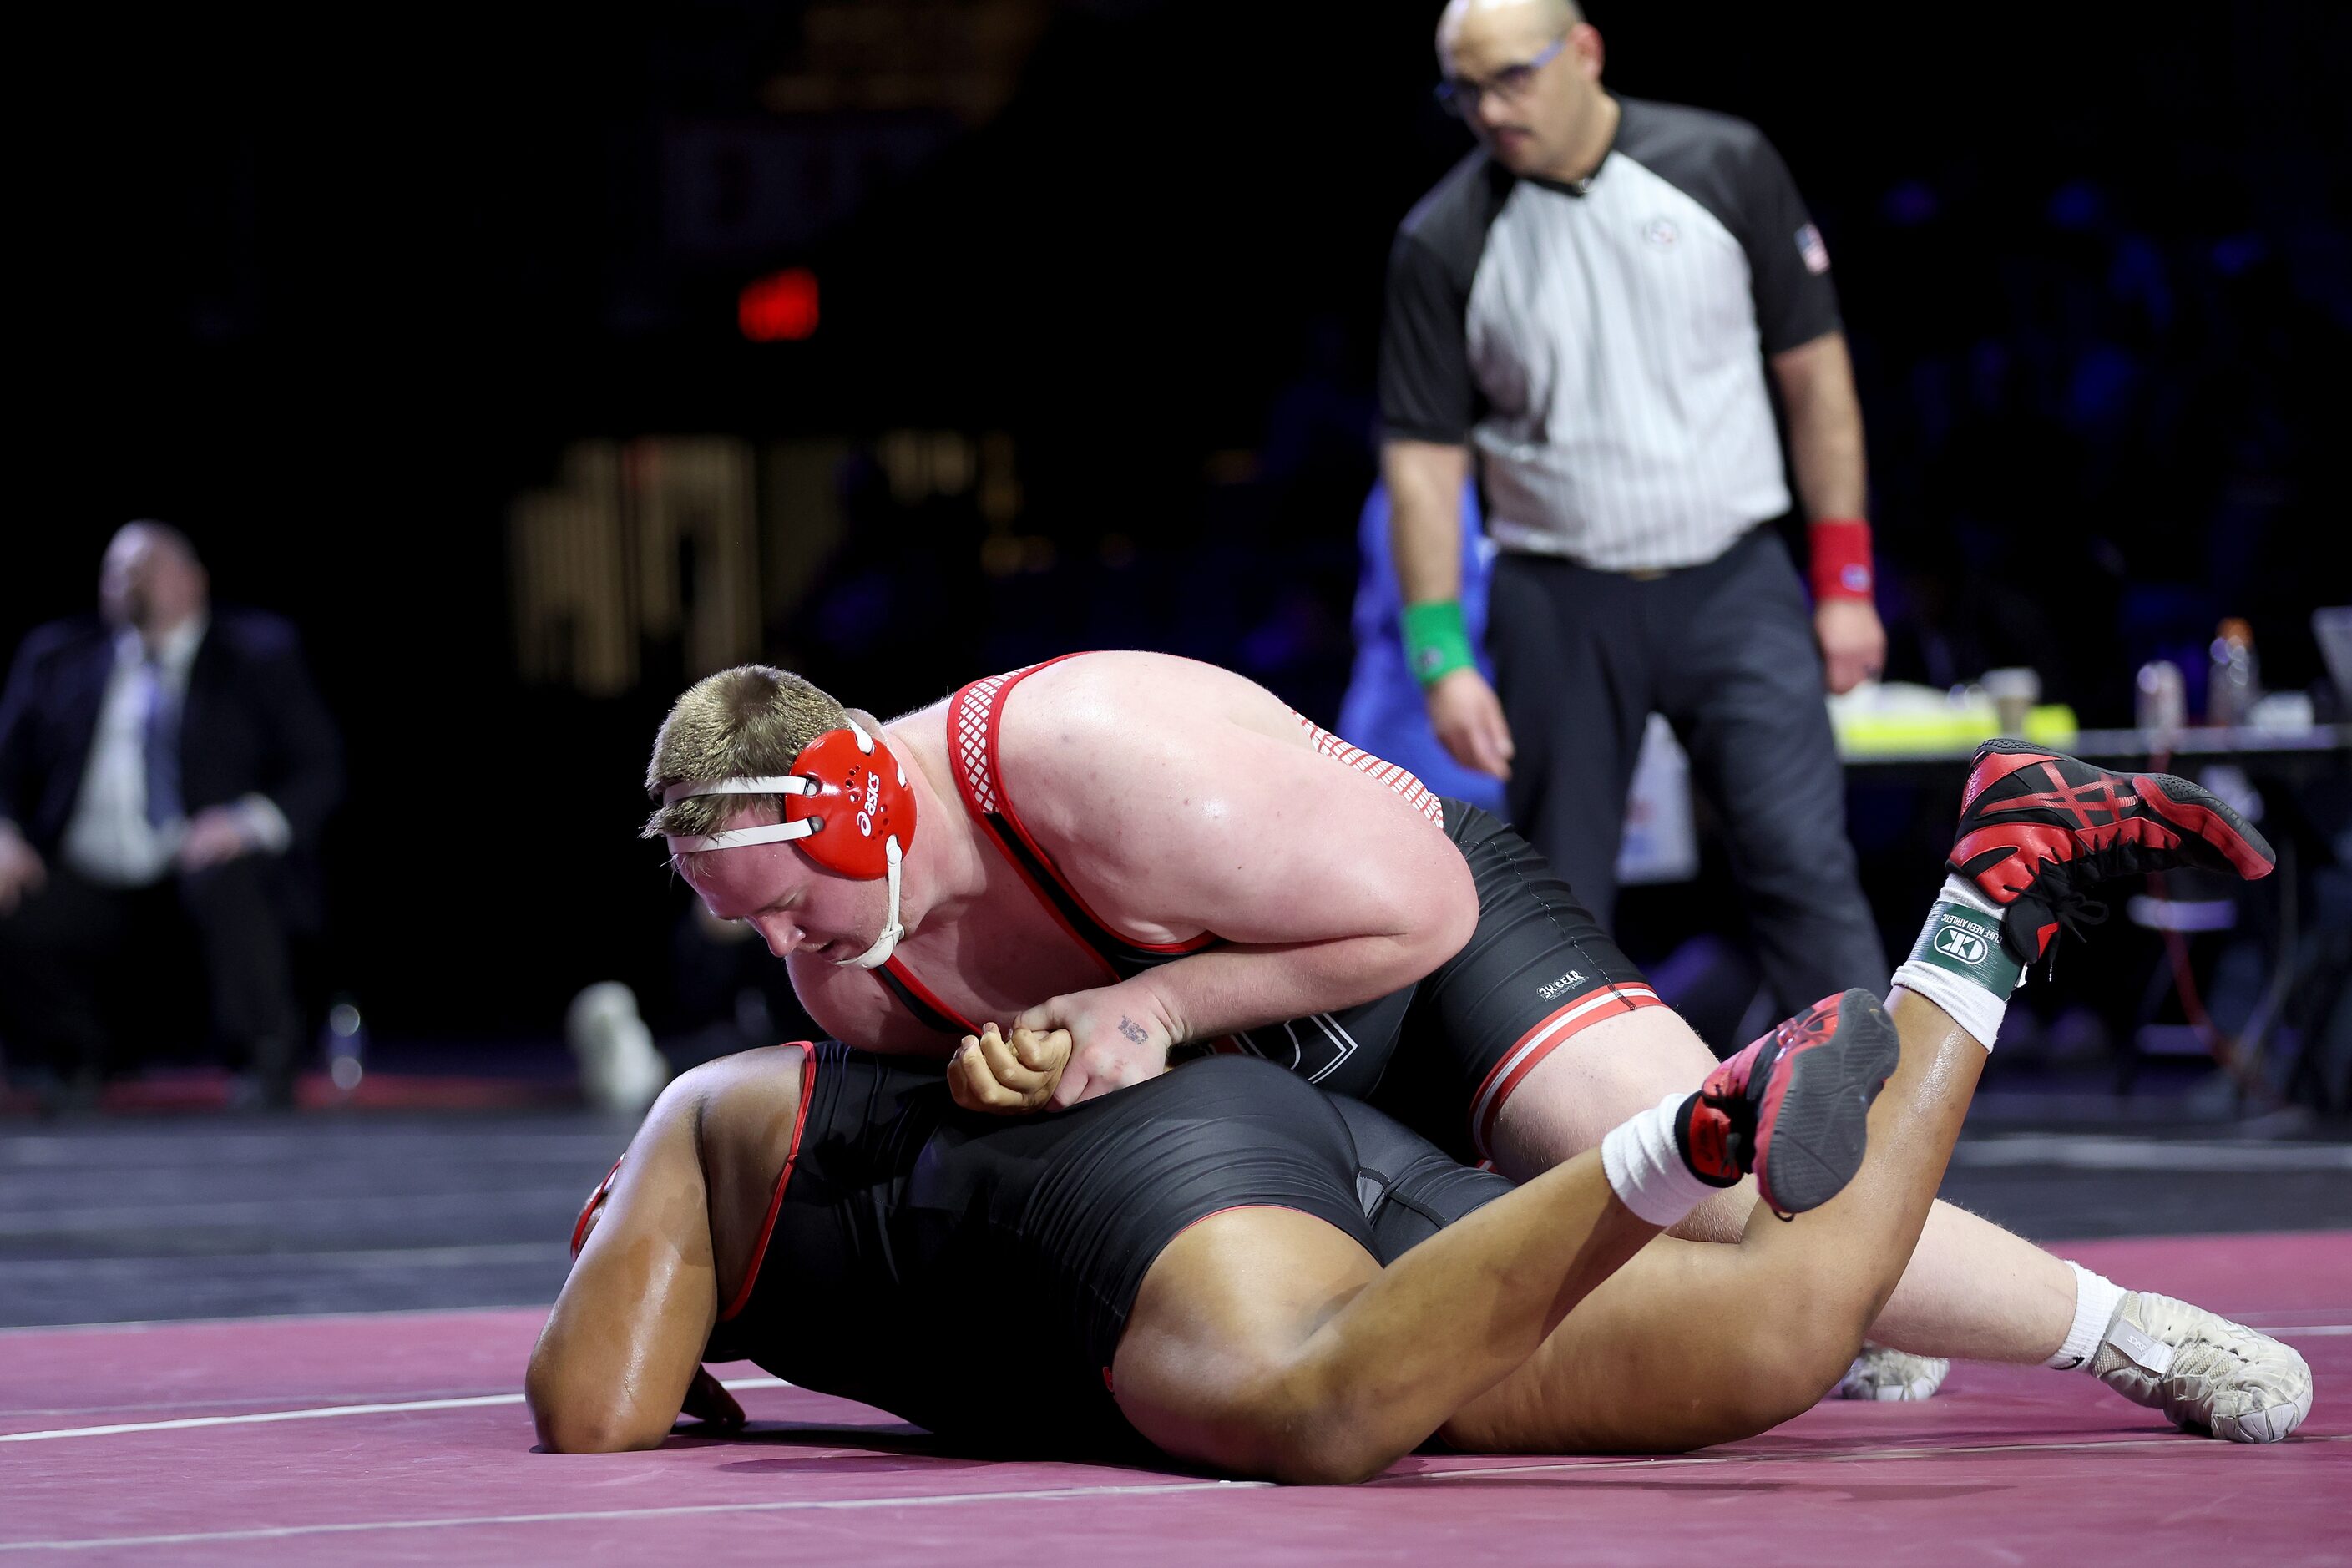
<point>845,813</point>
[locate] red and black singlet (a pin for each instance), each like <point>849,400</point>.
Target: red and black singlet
<point>1443,1054</point>
<point>1318,1047</point>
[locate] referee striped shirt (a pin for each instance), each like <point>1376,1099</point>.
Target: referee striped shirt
<point>1600,345</point>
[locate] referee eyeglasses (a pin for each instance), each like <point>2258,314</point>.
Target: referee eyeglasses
<point>1462,95</point>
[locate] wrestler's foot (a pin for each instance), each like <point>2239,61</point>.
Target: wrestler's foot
<point>2039,830</point>
<point>2204,1372</point>
<point>1880,1372</point>
<point>1792,1107</point>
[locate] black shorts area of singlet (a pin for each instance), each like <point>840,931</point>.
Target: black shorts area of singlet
<point>1441,1054</point>
<point>974,1275</point>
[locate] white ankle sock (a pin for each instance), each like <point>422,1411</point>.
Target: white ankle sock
<point>1959,963</point>
<point>2096,1299</point>
<point>1646,1169</point>
<point>1958,889</point>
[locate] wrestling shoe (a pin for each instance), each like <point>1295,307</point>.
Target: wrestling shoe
<point>1791,1107</point>
<point>2039,830</point>
<point>2205,1373</point>
<point>1882,1374</point>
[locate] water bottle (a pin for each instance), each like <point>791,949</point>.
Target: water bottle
<point>2163,706</point>
<point>2235,685</point>
<point>344,1042</point>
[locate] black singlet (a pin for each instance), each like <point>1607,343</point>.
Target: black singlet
<point>911,1238</point>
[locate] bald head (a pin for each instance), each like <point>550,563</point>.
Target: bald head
<point>1526,75</point>
<point>151,580</point>
<point>1545,19</point>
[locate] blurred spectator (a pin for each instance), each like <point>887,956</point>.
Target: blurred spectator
<point>165,768</point>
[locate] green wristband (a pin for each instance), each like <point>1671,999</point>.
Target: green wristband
<point>1969,944</point>
<point>1437,642</point>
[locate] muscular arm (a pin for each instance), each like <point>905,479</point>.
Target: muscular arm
<point>1816,382</point>
<point>1825,445</point>
<point>612,1366</point>
<point>1327,888</point>
<point>1424,480</point>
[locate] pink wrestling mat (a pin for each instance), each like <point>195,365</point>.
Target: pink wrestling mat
<point>400,1439</point>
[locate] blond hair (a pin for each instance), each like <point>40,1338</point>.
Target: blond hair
<point>746,722</point>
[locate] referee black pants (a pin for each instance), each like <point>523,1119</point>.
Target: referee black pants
<point>1726,652</point>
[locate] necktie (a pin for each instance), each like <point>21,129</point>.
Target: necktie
<point>160,728</point>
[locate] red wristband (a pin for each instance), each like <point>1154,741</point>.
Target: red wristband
<point>1842,559</point>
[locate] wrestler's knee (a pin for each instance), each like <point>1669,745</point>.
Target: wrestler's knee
<point>1274,1419</point>
<point>1309,1439</point>
<point>1792,1356</point>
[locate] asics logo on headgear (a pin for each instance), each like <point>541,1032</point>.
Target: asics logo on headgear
<point>873,799</point>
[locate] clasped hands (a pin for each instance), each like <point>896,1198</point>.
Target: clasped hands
<point>1070,1048</point>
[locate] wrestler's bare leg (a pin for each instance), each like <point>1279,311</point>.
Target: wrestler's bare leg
<point>1265,1341</point>
<point>1691,1344</point>
<point>1972,1289</point>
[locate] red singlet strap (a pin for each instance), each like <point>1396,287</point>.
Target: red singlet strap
<point>783,1179</point>
<point>976,724</point>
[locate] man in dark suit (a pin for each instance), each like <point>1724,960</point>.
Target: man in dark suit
<point>161,761</point>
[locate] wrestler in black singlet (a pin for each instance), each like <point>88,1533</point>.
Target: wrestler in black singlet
<point>973,1274</point>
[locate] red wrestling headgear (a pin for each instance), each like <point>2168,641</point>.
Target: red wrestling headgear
<point>847,804</point>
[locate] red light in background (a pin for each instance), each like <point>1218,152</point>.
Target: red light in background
<point>779,307</point>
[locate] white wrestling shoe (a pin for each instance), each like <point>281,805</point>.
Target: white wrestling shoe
<point>1880,1372</point>
<point>2205,1373</point>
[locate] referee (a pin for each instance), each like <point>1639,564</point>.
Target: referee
<point>1588,303</point>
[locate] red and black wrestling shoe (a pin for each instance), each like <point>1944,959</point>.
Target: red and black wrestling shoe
<point>2039,830</point>
<point>1794,1107</point>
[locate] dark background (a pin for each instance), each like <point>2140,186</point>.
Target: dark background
<point>331,291</point>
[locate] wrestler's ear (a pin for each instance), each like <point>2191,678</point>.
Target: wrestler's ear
<point>865,721</point>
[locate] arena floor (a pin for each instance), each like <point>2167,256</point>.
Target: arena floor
<point>331,1315</point>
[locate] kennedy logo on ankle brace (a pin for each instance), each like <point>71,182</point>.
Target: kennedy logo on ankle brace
<point>1969,945</point>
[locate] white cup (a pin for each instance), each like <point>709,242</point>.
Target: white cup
<point>2014,692</point>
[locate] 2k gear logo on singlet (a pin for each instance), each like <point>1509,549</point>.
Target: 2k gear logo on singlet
<point>1573,977</point>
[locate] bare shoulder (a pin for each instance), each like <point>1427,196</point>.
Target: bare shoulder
<point>717,1108</point>
<point>742,1098</point>
<point>1096,751</point>
<point>1116,726</point>
<point>744,1108</point>
<point>1134,692</point>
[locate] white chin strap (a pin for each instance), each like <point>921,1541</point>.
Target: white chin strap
<point>784,832</point>
<point>876,956</point>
